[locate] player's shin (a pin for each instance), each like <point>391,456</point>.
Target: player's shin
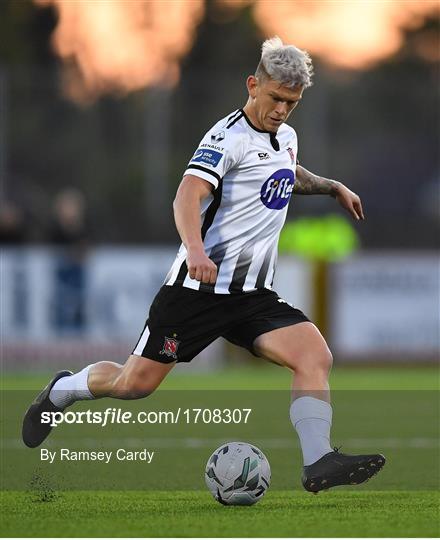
<point>312,418</point>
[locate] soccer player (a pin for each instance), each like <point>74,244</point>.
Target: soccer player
<point>229,211</point>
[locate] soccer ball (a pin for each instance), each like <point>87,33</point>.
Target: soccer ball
<point>237,473</point>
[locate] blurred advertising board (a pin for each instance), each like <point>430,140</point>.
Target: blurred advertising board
<point>386,307</point>
<point>57,306</point>
<point>381,307</point>
<point>47,293</point>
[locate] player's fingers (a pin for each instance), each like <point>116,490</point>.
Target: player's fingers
<point>191,272</point>
<point>206,276</point>
<point>198,274</point>
<point>352,210</point>
<point>359,209</point>
<point>355,212</point>
<point>213,277</point>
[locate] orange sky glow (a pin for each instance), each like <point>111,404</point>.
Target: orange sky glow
<point>122,45</point>
<point>117,46</point>
<point>347,34</point>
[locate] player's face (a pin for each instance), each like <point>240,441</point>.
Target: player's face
<point>272,103</point>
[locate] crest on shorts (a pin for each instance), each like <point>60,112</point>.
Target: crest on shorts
<point>170,346</point>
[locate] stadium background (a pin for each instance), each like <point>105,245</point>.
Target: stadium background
<point>98,122</point>
<point>102,104</point>
<point>96,129</point>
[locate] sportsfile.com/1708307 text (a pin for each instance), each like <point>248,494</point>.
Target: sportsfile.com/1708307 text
<point>113,415</point>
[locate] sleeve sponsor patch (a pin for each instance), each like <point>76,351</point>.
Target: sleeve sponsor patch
<point>209,157</point>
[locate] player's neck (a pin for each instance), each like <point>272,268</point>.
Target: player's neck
<point>249,111</point>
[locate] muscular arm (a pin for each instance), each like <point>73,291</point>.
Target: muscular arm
<point>191,192</point>
<point>307,183</point>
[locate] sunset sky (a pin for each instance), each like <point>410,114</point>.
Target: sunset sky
<point>123,45</point>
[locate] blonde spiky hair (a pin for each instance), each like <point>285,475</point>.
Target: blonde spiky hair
<point>285,64</point>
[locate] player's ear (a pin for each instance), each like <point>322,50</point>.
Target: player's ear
<point>252,83</point>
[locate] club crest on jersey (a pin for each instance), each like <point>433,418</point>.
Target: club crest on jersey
<point>170,347</point>
<point>277,190</point>
<point>292,155</point>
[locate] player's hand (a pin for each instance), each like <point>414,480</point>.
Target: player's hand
<point>350,201</point>
<point>200,266</point>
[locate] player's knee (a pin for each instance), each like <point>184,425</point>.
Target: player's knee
<point>320,360</point>
<point>325,361</point>
<point>127,386</point>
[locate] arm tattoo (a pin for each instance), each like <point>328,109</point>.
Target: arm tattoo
<point>307,183</point>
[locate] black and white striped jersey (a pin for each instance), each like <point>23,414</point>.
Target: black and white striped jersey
<point>253,173</point>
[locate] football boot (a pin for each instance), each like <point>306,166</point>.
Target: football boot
<point>337,469</point>
<point>34,432</point>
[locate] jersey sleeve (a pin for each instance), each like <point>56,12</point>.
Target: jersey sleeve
<point>218,152</point>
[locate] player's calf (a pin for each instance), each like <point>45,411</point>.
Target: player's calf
<point>127,387</point>
<point>138,378</point>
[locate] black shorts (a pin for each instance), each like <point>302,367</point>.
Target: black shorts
<point>182,321</point>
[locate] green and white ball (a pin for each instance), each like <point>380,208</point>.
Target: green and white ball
<point>237,473</point>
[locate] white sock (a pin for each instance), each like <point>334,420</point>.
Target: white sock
<point>312,419</point>
<point>67,390</point>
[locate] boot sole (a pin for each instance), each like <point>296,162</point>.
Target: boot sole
<point>354,475</point>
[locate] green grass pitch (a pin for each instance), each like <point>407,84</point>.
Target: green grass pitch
<point>196,514</point>
<point>401,501</point>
